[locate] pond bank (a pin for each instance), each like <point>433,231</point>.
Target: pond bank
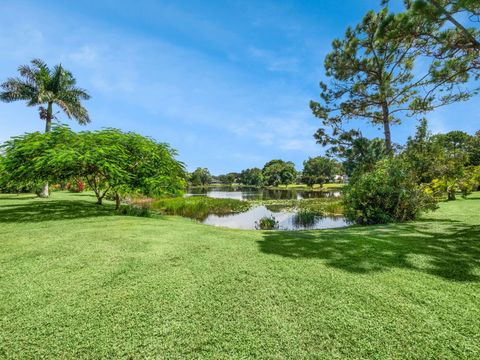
<point>244,214</point>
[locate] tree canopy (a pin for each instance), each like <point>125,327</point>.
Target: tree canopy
<point>448,33</point>
<point>279,172</point>
<point>373,80</point>
<point>108,160</point>
<point>252,177</point>
<point>201,177</point>
<point>319,170</point>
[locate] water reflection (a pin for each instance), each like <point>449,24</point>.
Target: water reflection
<point>286,220</point>
<point>246,193</point>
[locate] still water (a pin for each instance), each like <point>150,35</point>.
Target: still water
<point>248,220</point>
<point>246,193</point>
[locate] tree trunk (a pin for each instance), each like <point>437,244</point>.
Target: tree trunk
<point>451,194</point>
<point>386,129</point>
<point>99,200</point>
<point>48,122</point>
<point>48,126</point>
<point>44,192</point>
<point>117,201</point>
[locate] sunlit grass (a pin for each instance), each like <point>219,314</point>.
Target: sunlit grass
<point>79,282</point>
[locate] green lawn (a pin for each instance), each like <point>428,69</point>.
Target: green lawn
<point>78,282</point>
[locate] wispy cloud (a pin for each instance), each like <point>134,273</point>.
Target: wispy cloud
<point>227,84</point>
<point>275,61</point>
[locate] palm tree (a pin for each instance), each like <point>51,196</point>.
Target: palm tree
<point>39,85</point>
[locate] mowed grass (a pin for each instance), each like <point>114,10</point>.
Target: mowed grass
<point>78,282</point>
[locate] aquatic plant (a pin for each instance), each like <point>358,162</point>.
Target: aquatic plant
<point>320,206</point>
<point>266,223</point>
<point>304,218</point>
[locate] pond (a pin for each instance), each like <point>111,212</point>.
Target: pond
<point>286,220</point>
<point>248,219</point>
<point>251,193</point>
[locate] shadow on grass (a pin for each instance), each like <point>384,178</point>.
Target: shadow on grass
<point>43,210</point>
<point>443,248</point>
<point>18,197</point>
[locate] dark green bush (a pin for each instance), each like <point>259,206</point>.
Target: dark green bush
<point>132,210</point>
<point>389,193</point>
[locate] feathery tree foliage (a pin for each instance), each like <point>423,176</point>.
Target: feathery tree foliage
<point>107,160</point>
<point>26,159</point>
<point>373,80</point>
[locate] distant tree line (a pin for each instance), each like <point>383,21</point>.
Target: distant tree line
<point>316,171</point>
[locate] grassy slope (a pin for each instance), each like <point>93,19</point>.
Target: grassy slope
<point>76,282</point>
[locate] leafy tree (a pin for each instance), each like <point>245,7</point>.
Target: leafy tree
<point>473,150</point>
<point>452,163</point>
<point>319,170</point>
<point>26,164</point>
<point>360,155</point>
<point>39,85</point>
<point>229,178</point>
<point>424,155</point>
<point>372,80</point>
<point>109,161</point>
<point>441,160</point>
<point>200,177</point>
<point>123,163</point>
<point>279,172</point>
<point>251,177</point>
<point>455,144</point>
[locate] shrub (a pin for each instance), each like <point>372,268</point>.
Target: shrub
<point>465,183</point>
<point>132,210</point>
<point>266,223</point>
<point>76,186</point>
<point>389,193</point>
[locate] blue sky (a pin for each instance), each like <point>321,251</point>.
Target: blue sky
<point>226,83</point>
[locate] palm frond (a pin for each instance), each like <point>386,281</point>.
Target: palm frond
<point>40,85</point>
<point>16,89</point>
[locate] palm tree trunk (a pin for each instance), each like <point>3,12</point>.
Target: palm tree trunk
<point>48,122</point>
<point>48,126</point>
